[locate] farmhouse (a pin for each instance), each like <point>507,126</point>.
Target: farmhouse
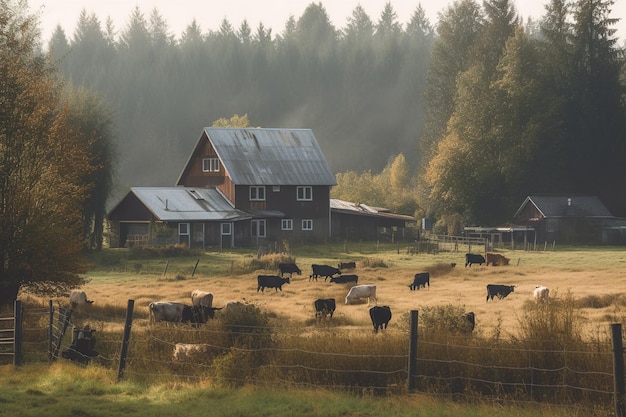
<point>561,219</point>
<point>243,187</point>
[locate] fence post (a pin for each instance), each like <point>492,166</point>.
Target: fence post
<point>127,327</point>
<point>618,368</point>
<point>412,350</point>
<point>67,314</point>
<point>17,333</point>
<point>50,333</point>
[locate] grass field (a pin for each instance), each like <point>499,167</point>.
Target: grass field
<point>595,277</point>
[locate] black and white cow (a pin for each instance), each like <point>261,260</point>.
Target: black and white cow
<point>380,316</point>
<point>325,271</point>
<point>474,258</point>
<point>324,307</point>
<point>270,281</point>
<point>289,269</point>
<point>421,279</point>
<point>500,291</point>
<point>343,279</point>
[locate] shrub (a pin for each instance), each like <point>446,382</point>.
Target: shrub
<point>266,262</point>
<point>373,263</point>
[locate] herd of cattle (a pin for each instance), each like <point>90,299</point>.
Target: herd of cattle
<point>201,308</point>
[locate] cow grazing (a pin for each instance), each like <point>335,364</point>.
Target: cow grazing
<point>289,269</point>
<point>472,258</point>
<point>166,311</point>
<point>541,294</point>
<point>495,259</point>
<point>471,320</point>
<point>324,307</point>
<point>500,291</point>
<point>78,297</point>
<point>271,281</point>
<point>380,316</point>
<point>343,279</point>
<point>198,314</point>
<point>201,298</point>
<point>325,271</point>
<point>347,265</point>
<point>186,351</point>
<point>361,291</point>
<point>421,279</point>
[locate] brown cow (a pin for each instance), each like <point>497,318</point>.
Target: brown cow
<point>495,259</point>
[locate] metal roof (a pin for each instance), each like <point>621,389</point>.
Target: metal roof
<point>365,210</point>
<point>261,156</point>
<point>175,204</point>
<point>564,206</point>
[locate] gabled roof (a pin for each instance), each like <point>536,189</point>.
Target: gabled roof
<point>176,204</point>
<point>261,156</point>
<point>365,210</point>
<point>566,206</point>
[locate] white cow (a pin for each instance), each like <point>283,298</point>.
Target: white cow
<point>541,293</point>
<point>361,291</point>
<point>185,351</point>
<point>166,311</point>
<point>201,298</point>
<point>78,297</point>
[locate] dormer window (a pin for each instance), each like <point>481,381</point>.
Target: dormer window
<point>210,165</point>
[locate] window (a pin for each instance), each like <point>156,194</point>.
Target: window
<point>226,229</point>
<point>286,224</point>
<point>257,193</point>
<point>258,228</point>
<point>307,224</point>
<point>304,193</point>
<point>276,188</point>
<point>183,229</point>
<point>210,165</point>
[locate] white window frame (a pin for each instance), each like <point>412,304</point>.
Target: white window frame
<point>307,224</point>
<point>210,164</point>
<point>226,229</point>
<point>259,228</point>
<point>286,224</point>
<point>182,232</point>
<point>257,190</point>
<point>276,188</point>
<point>304,193</point>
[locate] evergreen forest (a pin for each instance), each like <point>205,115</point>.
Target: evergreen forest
<point>458,119</point>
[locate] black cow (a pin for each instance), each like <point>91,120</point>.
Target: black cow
<point>271,281</point>
<point>380,316</point>
<point>421,279</point>
<point>324,306</point>
<point>325,271</point>
<point>472,258</point>
<point>198,314</point>
<point>346,265</point>
<point>289,269</point>
<point>343,279</point>
<point>500,291</point>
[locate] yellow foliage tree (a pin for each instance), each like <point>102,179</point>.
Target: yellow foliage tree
<point>235,121</point>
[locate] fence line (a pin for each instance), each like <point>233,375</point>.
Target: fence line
<point>442,367</point>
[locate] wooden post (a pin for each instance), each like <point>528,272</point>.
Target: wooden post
<point>50,333</point>
<point>17,333</point>
<point>166,265</point>
<point>195,267</point>
<point>66,321</point>
<point>412,366</point>
<point>618,368</point>
<point>127,327</point>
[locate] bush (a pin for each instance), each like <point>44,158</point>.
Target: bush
<point>267,262</point>
<point>171,251</point>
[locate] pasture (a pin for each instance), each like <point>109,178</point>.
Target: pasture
<point>594,277</point>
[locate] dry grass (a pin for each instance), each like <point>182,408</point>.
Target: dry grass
<point>594,277</point>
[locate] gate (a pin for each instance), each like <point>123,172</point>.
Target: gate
<point>11,334</point>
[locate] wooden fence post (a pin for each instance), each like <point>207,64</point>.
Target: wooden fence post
<point>17,333</point>
<point>50,332</point>
<point>618,368</point>
<point>127,327</point>
<point>412,351</point>
<point>67,314</point>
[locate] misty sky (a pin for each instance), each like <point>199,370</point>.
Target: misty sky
<point>272,13</point>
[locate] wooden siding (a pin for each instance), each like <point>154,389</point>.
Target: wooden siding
<point>194,176</point>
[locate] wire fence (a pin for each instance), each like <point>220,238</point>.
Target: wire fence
<point>243,352</point>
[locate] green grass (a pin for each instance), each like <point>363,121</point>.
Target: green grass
<point>68,390</point>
